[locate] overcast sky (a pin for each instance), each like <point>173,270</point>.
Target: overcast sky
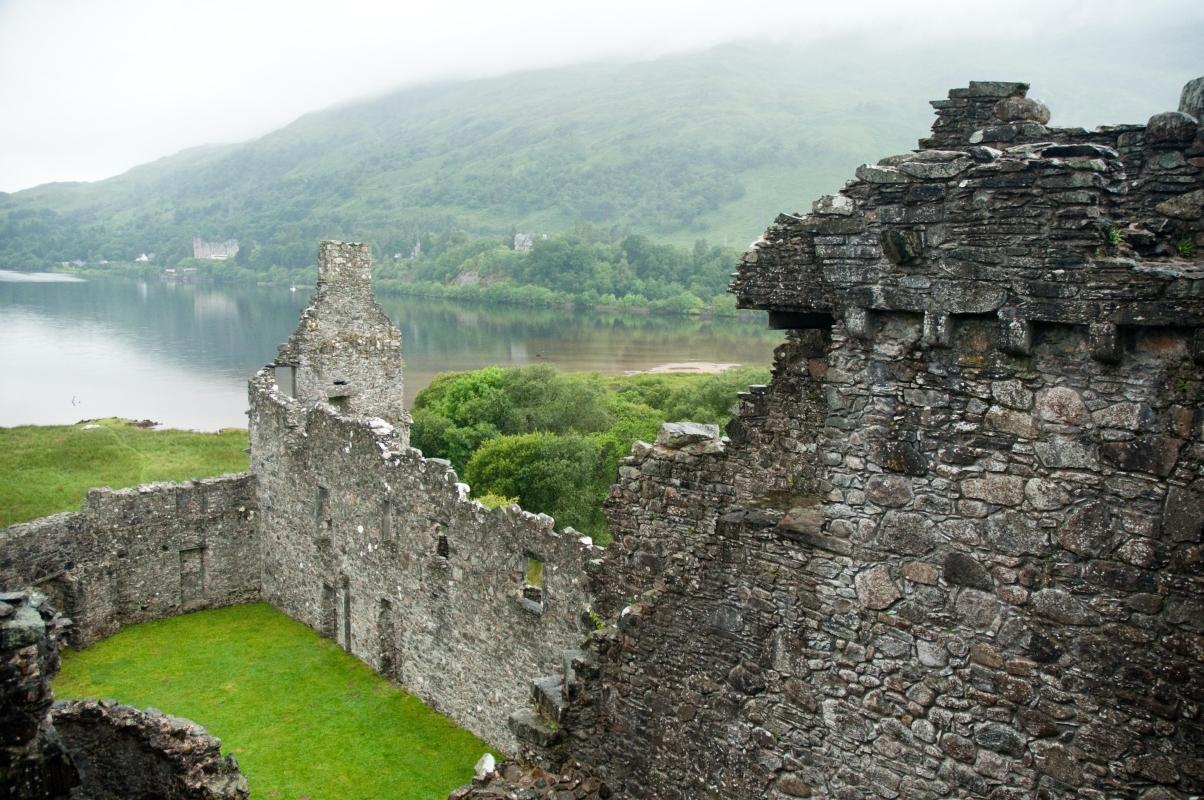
<point>91,88</point>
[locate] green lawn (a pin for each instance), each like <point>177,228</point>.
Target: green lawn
<point>303,718</point>
<point>45,469</point>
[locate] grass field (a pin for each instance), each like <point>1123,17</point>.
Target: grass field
<point>303,718</point>
<point>45,469</point>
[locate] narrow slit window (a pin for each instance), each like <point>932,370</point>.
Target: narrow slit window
<point>325,523</point>
<point>286,379</point>
<point>533,584</point>
<point>323,513</point>
<point>386,520</point>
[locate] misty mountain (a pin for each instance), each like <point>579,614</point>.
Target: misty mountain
<point>709,145</point>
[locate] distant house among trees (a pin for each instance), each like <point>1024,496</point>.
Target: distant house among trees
<point>523,242</point>
<point>215,251</point>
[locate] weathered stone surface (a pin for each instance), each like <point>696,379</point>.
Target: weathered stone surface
<point>1021,109</point>
<point>1009,420</point>
<point>1187,206</point>
<point>901,246</point>
<point>1183,518</point>
<point>1062,405</point>
<point>123,752</point>
<point>977,610</point>
<point>1000,738</point>
<point>875,174</point>
<point>1155,454</point>
<point>1171,127</point>
<point>1125,416</point>
<point>1087,530</point>
<point>876,589</point>
<point>1004,490</point>
<point>888,490</point>
<point>1062,607</point>
<point>1045,495</point>
<point>1191,99</point>
<point>962,570</point>
<point>680,434</point>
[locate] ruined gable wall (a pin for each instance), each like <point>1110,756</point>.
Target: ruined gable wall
<point>999,591</point>
<point>138,554</point>
<point>345,350</point>
<point>356,521</point>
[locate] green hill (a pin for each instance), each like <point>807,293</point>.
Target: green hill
<point>708,145</point>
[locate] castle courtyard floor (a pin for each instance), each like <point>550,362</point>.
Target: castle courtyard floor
<point>303,718</point>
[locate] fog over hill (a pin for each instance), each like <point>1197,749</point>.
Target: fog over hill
<point>706,145</point>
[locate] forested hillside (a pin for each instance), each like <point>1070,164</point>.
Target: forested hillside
<point>709,146</point>
<point>705,146</point>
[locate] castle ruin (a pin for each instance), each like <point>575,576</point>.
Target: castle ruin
<point>953,549</point>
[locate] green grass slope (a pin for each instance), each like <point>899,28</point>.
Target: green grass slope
<point>303,718</point>
<point>45,469</point>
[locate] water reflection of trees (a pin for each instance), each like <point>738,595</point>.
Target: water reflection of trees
<point>237,329</point>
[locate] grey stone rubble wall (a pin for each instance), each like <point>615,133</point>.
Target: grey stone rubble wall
<point>998,591</point>
<point>122,752</point>
<point>33,763</point>
<point>354,519</point>
<point>1056,230</point>
<point>142,553</point>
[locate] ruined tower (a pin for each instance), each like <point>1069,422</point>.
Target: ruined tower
<point>345,351</point>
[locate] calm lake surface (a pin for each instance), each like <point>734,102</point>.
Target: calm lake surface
<point>182,354</point>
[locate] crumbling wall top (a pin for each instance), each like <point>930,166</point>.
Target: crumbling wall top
<point>999,214</point>
<point>345,350</point>
<point>344,266</point>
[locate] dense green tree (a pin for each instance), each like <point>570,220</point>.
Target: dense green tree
<point>546,472</point>
<point>554,440</point>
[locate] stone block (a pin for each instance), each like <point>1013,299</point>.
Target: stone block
<point>1153,454</point>
<point>1170,128</point>
<point>961,569</point>
<point>888,490</point>
<point>1004,490</point>
<point>1021,109</point>
<point>1062,405</point>
<point>875,588</point>
<point>679,434</point>
<point>1183,514</point>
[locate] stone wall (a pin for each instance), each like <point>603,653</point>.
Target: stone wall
<point>33,763</point>
<point>139,554</point>
<point>380,549</point>
<point>954,548</point>
<point>122,752</point>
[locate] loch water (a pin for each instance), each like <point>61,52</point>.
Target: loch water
<point>181,354</point>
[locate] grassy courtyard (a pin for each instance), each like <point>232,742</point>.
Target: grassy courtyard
<point>45,469</point>
<point>303,718</point>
